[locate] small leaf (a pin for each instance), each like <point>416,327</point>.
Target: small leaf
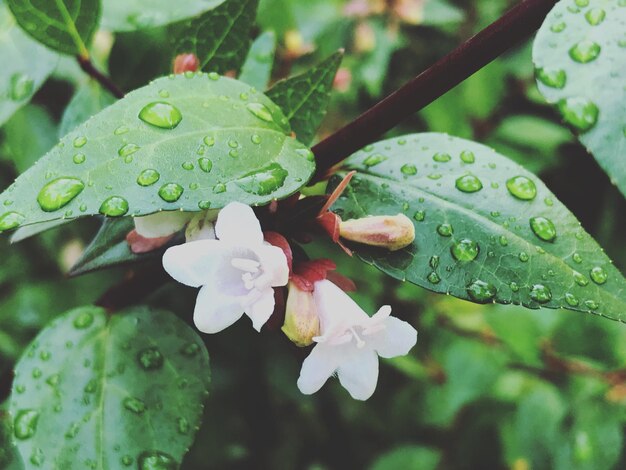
<point>63,25</point>
<point>486,229</point>
<point>188,143</point>
<point>257,68</point>
<point>304,98</point>
<point>89,100</point>
<point>25,65</point>
<point>220,38</point>
<point>102,391</point>
<point>580,59</point>
<point>109,248</point>
<point>408,458</point>
<point>122,15</point>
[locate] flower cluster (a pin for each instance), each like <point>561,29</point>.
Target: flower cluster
<point>237,268</point>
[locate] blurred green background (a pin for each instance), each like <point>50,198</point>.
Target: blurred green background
<point>487,387</point>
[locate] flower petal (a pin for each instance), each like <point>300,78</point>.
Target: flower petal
<point>396,339</point>
<point>338,312</point>
<point>194,263</point>
<point>358,373</point>
<point>162,224</point>
<point>318,367</point>
<point>215,311</point>
<point>261,310</point>
<point>274,264</point>
<point>237,224</point>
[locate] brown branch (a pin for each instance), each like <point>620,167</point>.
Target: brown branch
<point>517,24</point>
<point>88,67</point>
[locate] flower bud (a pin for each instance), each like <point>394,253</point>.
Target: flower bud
<point>186,63</point>
<point>302,323</point>
<point>393,232</point>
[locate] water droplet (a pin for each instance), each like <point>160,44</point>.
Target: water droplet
<point>190,349</point>
<point>579,112</point>
<point>20,388</point>
<point>233,144</point>
<point>445,230</point>
<point>548,202</point>
<point>468,156</point>
<point>580,279</point>
<point>58,193</point>
<point>522,188</point>
<point>53,380</point>
<point>205,164</point>
<point>83,320</point>
<point>571,299</point>
<point>150,358</point>
<point>419,216</point>
<point>481,291</point>
<point>127,460</point>
<point>598,275</point>
<point>79,158</point>
<point>368,148</point>
<point>577,258</point>
<point>219,188</point>
<point>585,51</point>
<point>468,184</point>
<point>21,86</point>
<point>155,460</point>
<point>543,228</point>
<point>256,139</point>
<point>214,76</point>
<point>188,166</point>
<point>80,141</point>
<point>591,304</point>
<point>233,153</point>
<point>595,16</point>
<point>25,424</point>
<point>10,220</point>
<point>164,93</point>
<point>127,150</point>
<point>503,240</point>
<point>260,111</point>
<point>540,293</point>
<point>37,458</point>
<point>433,278</point>
<point>434,262</point>
<point>374,160</point>
<point>91,386</point>
<point>148,177</point>
<point>523,257</point>
<point>135,405</point>
<point>435,176</point>
<point>558,27</point>
<point>36,373</point>
<point>72,431</point>
<point>264,181</point>
<point>552,77</point>
<point>514,287</point>
<point>161,114</point>
<point>409,169</point>
<point>442,157</point>
<point>171,192</point>
<point>183,425</point>
<point>121,130</point>
<point>465,250</point>
<point>114,206</point>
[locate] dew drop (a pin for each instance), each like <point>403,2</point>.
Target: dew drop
<point>306,153</point>
<point>79,158</point>
<point>37,458</point>
<point>164,93</point>
<point>374,160</point>
<point>10,220</point>
<point>543,228</point>
<point>127,460</point>
<point>58,193</point>
<point>256,139</point>
<point>233,153</point>
<point>595,16</point>
<point>552,77</point>
<point>481,291</point>
<point>260,111</point>
<point>445,230</point>
<point>150,358</point>
<point>148,177</point>
<point>190,349</point>
<point>419,216</point>
<point>580,279</point>
<point>53,380</point>
<point>161,114</point>
<point>540,293</point>
<point>135,405</point>
<point>522,188</point>
<point>183,425</point>
<point>171,192</point>
<point>114,206</point>
<point>585,51</point>
<point>523,256</point>
<point>598,275</point>
<point>209,141</point>
<point>468,156</point>
<point>188,166</point>
<point>580,113</point>
<point>219,188</point>
<point>156,460</point>
<point>36,373</point>
<point>571,299</point>
<point>434,262</point>
<point>409,169</point>
<point>442,157</point>
<point>468,184</point>
<point>264,181</point>
<point>577,258</point>
<point>25,424</point>
<point>80,141</point>
<point>21,86</point>
<point>214,76</point>
<point>121,130</point>
<point>465,250</point>
<point>128,150</point>
<point>558,27</point>
<point>503,240</point>
<point>435,176</point>
<point>433,278</point>
<point>514,287</point>
<point>205,164</point>
<point>591,304</point>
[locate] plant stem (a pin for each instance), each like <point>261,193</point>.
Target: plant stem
<point>517,24</point>
<point>88,67</point>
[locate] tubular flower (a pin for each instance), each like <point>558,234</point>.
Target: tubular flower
<point>236,272</point>
<point>350,343</point>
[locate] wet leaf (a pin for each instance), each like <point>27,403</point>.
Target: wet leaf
<point>257,68</point>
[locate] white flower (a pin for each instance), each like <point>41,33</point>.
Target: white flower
<point>351,342</point>
<point>162,224</point>
<point>236,272</point>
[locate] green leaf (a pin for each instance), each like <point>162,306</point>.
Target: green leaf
<point>108,391</point>
<point>25,65</point>
<point>474,237</point>
<point>580,60</point>
<point>89,100</point>
<point>63,25</point>
<point>203,141</point>
<point>220,38</point>
<point>408,458</point>
<point>304,98</point>
<point>257,68</point>
<point>109,248</point>
<point>122,15</point>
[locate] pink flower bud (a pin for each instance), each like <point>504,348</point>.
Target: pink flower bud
<point>302,322</point>
<point>186,63</point>
<point>393,232</point>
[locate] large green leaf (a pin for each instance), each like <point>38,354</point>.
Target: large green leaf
<point>25,65</point>
<point>474,236</point>
<point>106,391</point>
<point>304,98</point>
<point>89,100</point>
<point>580,56</point>
<point>124,15</point>
<point>63,25</point>
<point>204,141</point>
<point>257,68</point>
<point>220,38</point>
